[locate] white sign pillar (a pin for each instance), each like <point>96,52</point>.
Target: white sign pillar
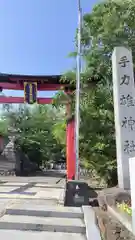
<point>124,111</point>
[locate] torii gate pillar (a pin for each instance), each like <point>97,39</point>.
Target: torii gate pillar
<point>70,144</point>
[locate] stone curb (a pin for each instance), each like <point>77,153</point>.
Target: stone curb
<point>120,218</point>
<point>90,220</point>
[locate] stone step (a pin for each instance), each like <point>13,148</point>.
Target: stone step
<point>43,186</point>
<point>44,211</point>
<point>21,235</point>
<point>50,224</point>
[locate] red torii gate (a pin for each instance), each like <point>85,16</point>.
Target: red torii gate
<point>44,83</point>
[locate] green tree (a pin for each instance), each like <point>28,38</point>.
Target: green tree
<point>4,127</point>
<point>111,23</point>
<point>34,127</point>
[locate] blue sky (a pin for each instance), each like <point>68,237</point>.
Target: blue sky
<point>37,35</point>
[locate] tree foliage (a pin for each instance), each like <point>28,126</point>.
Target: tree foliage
<point>34,130</point>
<point>111,23</point>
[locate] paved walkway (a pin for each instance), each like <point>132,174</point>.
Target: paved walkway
<point>30,190</point>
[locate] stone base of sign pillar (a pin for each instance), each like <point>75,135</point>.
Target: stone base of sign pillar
<point>76,193</point>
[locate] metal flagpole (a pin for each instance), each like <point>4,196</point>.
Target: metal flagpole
<point>78,71</point>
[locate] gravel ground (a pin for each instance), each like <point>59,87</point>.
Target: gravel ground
<point>112,229</point>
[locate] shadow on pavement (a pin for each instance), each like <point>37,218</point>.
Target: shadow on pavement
<point>48,173</point>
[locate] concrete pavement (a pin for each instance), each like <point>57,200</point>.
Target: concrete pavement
<point>30,188</point>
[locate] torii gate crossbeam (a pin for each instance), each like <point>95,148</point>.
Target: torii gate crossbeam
<point>44,83</point>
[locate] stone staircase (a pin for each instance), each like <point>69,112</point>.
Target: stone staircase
<point>42,222</point>
<point>48,222</point>
<point>41,218</point>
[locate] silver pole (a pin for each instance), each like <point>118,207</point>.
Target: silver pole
<point>78,71</point>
